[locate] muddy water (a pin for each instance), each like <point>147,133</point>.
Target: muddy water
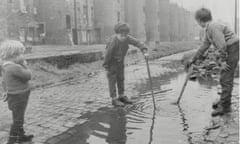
<point>136,124</point>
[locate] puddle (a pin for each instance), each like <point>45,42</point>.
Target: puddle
<point>135,124</point>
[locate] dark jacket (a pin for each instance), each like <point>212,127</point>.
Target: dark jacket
<point>116,50</point>
<point>15,78</point>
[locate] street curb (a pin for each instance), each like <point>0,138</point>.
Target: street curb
<point>64,60</point>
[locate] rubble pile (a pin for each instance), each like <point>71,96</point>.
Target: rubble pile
<point>208,66</point>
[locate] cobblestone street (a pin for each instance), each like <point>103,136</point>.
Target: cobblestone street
<point>53,112</point>
<point>119,72</point>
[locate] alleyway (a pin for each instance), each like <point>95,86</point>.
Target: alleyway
<point>80,112</point>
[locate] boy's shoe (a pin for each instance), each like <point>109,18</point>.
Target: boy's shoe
<point>17,140</point>
<point>215,104</point>
<point>26,138</point>
<point>221,110</point>
<point>12,140</point>
<point>125,100</point>
<point>117,102</point>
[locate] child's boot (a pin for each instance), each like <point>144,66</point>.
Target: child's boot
<point>215,104</point>
<point>125,99</point>
<point>25,138</point>
<point>117,102</point>
<point>13,137</point>
<point>221,110</point>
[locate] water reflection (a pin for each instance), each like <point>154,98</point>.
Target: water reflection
<point>185,124</point>
<point>107,125</point>
<point>139,124</point>
<point>207,82</point>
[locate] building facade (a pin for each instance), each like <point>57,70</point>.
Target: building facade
<point>18,18</point>
<point>3,20</point>
<point>152,22</point>
<point>174,20</point>
<point>92,21</point>
<point>107,14</point>
<point>66,21</point>
<point>84,21</point>
<point>135,17</point>
<point>164,19</point>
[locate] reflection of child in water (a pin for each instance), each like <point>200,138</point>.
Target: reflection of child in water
<point>115,133</point>
<point>15,80</point>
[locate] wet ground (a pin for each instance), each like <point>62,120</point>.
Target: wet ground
<point>80,112</point>
<point>141,123</point>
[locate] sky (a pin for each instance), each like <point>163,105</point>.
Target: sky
<point>222,10</point>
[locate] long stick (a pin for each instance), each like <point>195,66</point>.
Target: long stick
<point>153,99</point>
<point>184,85</point>
<point>151,85</point>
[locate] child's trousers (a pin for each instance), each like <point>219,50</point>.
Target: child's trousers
<point>17,103</point>
<point>227,76</point>
<point>115,75</point>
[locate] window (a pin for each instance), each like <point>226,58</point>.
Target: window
<point>68,21</point>
<point>85,14</point>
<point>85,9</point>
<point>92,12</point>
<point>118,16</point>
<point>40,28</point>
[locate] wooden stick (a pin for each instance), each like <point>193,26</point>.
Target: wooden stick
<point>151,84</point>
<point>185,84</point>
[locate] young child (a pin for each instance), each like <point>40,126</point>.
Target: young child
<point>116,50</point>
<point>227,44</point>
<point>15,80</point>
